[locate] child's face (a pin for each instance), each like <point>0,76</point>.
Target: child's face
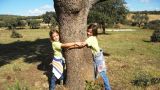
<point>89,32</point>
<point>55,36</point>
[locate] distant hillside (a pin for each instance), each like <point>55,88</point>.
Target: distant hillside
<point>16,16</point>
<point>151,16</point>
<point>8,16</point>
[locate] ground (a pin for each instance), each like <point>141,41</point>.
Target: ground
<point>129,55</point>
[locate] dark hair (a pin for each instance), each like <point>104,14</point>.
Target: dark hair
<point>51,32</point>
<point>94,29</point>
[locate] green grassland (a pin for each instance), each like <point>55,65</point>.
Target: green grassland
<point>133,61</point>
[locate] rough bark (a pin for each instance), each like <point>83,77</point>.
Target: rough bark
<point>72,18</point>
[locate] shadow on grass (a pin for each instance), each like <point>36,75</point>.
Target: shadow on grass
<point>32,51</point>
<point>148,41</point>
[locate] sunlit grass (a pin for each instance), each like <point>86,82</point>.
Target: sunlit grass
<point>28,35</point>
<point>130,53</point>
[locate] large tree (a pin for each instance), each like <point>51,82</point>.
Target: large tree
<point>108,12</point>
<point>72,19</point>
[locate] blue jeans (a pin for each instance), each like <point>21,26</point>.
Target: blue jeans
<point>53,82</point>
<point>100,68</point>
<point>105,80</point>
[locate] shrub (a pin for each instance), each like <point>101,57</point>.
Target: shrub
<point>15,34</point>
<point>90,85</point>
<point>154,24</point>
<point>156,36</point>
<point>142,79</point>
<point>18,86</point>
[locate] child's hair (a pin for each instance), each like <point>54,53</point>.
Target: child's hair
<point>51,32</point>
<point>94,29</point>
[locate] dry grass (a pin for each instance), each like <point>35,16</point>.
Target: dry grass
<point>127,54</point>
<point>151,17</point>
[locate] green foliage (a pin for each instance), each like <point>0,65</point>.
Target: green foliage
<point>108,11</point>
<point>50,17</point>
<point>144,79</point>
<point>154,25</point>
<point>156,36</point>
<point>22,23</point>
<point>11,23</point>
<point>90,85</point>
<point>140,19</point>
<point>2,24</point>
<point>144,12</point>
<point>53,22</point>
<point>34,24</point>
<point>17,86</point>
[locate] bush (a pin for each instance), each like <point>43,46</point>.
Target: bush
<point>155,36</point>
<point>16,34</point>
<point>18,86</point>
<point>154,25</point>
<point>90,85</point>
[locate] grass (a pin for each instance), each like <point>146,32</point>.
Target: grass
<point>132,60</point>
<point>130,53</point>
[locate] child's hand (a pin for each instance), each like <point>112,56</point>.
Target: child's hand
<point>78,44</point>
<point>83,43</point>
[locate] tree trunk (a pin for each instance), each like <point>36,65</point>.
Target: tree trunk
<point>72,18</point>
<point>103,27</point>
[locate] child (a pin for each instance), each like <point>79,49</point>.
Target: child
<point>58,60</point>
<point>99,62</point>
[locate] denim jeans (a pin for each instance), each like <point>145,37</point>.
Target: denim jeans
<point>100,68</point>
<point>53,82</point>
<point>105,80</point>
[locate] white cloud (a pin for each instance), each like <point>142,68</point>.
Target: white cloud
<point>145,1</point>
<point>39,11</point>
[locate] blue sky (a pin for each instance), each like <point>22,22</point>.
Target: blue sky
<point>141,5</point>
<point>25,7</point>
<point>38,7</point>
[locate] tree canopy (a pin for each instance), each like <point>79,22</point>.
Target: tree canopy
<point>108,11</point>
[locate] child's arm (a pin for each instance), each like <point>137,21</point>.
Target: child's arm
<point>78,45</point>
<point>67,45</point>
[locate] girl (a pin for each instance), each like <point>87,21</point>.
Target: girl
<point>58,60</point>
<point>99,61</point>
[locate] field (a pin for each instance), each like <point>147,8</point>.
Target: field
<point>133,61</point>
<point>151,17</point>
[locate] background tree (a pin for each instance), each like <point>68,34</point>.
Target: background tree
<point>53,22</point>
<point>155,25</point>
<point>108,12</point>
<point>34,24</point>
<point>48,17</point>
<point>140,19</point>
<point>22,23</point>
<point>72,18</point>
<point>2,24</point>
<point>11,22</point>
